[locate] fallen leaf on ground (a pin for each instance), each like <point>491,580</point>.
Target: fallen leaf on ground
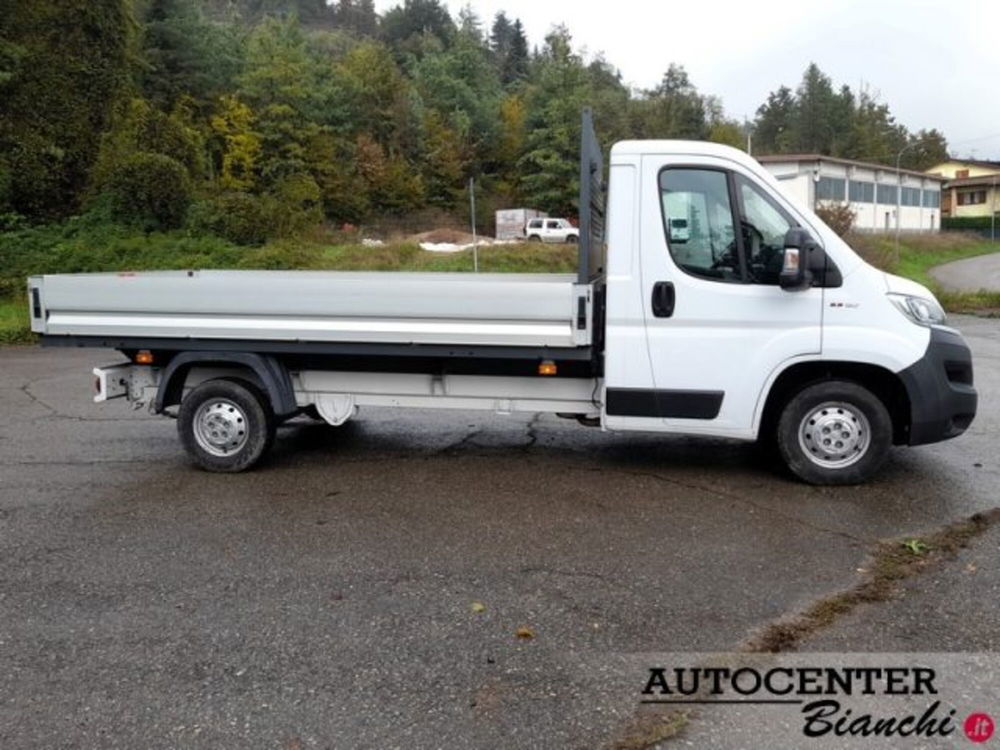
<point>525,634</point>
<point>478,607</point>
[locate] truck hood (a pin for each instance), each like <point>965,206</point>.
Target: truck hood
<point>898,285</point>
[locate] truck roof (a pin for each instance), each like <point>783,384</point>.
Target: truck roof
<point>698,148</point>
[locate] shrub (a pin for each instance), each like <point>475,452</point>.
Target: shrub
<point>238,217</point>
<point>967,223</point>
<point>838,216</point>
<point>150,191</point>
<point>283,256</point>
<point>293,205</point>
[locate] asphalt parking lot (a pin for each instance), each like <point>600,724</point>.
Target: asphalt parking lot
<point>365,587</point>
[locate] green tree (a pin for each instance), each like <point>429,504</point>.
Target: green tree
<point>375,96</point>
<point>138,127</point>
<point>392,184</point>
<point>283,85</point>
<point>548,168</point>
<point>841,119</point>
<point>927,148</point>
<point>404,25</point>
<point>674,109</point>
<point>815,104</point>
<point>356,16</point>
<point>240,145</point>
<point>443,161</point>
<point>151,191</point>
<point>610,100</point>
<point>462,85</point>
<point>312,12</point>
<point>875,135</point>
<point>774,128</point>
<point>65,65</point>
<point>722,129</point>
<point>186,56</point>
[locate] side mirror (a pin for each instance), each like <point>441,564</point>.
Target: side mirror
<point>796,275</point>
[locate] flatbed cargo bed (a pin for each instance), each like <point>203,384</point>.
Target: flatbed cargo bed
<point>503,310</point>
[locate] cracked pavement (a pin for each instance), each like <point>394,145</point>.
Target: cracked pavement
<point>325,600</point>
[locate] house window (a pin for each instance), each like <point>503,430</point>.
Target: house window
<point>971,197</point>
<point>961,173</point>
<point>932,199</point>
<point>887,194</point>
<point>861,192</point>
<point>830,189</point>
<point>911,196</point>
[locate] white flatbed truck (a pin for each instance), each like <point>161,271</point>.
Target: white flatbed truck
<point>712,305</point>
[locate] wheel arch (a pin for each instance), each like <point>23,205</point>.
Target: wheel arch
<point>270,374</point>
<point>885,384</point>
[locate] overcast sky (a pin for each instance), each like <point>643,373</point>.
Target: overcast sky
<point>937,64</point>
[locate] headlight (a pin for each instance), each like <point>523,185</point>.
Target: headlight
<point>921,310</point>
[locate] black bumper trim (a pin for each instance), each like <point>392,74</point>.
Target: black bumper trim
<point>939,385</point>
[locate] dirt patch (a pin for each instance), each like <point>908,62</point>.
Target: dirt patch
<point>452,236</point>
<point>892,562</point>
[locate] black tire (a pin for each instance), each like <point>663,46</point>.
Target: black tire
<point>534,238</point>
<point>572,239</point>
<point>834,433</point>
<point>244,418</point>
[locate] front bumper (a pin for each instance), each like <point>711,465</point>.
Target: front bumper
<point>939,385</point>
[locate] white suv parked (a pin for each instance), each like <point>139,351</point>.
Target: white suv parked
<point>551,230</point>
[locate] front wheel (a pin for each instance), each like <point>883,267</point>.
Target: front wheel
<point>225,425</point>
<point>834,433</point>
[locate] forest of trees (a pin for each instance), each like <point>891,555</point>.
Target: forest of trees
<point>258,118</point>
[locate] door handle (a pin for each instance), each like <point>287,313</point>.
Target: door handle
<point>664,298</point>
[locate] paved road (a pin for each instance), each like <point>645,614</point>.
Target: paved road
<point>326,600</point>
<point>970,275</point>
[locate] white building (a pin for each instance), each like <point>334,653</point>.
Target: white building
<point>875,192</point>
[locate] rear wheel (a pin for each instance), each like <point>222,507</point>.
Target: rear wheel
<point>534,238</point>
<point>572,239</point>
<point>226,425</point>
<point>836,432</point>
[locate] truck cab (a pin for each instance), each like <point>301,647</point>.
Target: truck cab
<point>733,312</point>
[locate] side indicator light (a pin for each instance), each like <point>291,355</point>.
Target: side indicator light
<point>145,357</point>
<point>547,367</point>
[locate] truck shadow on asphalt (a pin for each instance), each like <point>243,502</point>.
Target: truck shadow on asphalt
<point>910,478</point>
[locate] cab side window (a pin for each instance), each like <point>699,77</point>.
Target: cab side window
<point>763,226</point>
<point>698,220</point>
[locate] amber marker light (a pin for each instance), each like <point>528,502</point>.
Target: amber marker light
<point>145,357</point>
<point>547,367</point>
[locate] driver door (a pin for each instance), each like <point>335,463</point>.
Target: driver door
<point>717,323</point>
